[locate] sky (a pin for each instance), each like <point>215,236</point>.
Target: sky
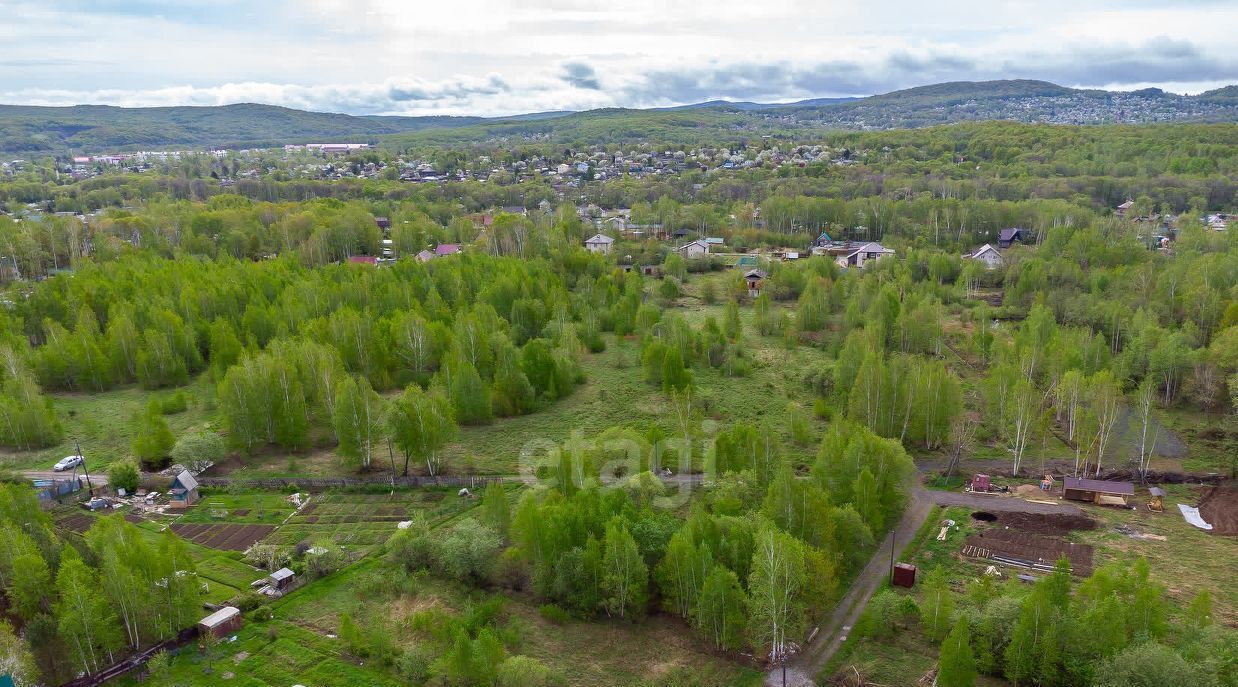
<point>499,57</point>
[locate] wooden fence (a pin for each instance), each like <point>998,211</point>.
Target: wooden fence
<point>137,660</point>
<point>324,483</point>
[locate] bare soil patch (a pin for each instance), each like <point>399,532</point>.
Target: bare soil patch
<point>78,522</point>
<point>1219,507</point>
<point>1031,548</point>
<point>1045,523</point>
<point>226,537</point>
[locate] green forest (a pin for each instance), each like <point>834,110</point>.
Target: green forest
<point>662,445</point>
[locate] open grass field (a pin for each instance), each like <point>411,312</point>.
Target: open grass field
<point>104,424</point>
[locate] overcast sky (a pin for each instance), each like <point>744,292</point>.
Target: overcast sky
<point>492,57</point>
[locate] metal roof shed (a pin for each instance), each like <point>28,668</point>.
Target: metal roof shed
<point>222,622</point>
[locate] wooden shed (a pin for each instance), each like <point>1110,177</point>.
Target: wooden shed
<point>1097,491</point>
<point>221,623</point>
<point>282,579</point>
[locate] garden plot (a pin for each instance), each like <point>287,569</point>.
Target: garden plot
<point>226,537</point>
<point>252,509</point>
<point>1028,549</point>
<point>365,520</point>
<point>77,522</point>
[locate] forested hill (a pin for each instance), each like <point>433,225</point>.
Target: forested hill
<point>100,128</point>
<point>95,129</point>
<point>946,103</point>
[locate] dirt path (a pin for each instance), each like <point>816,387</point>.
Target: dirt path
<point>833,632</point>
<point>97,479</point>
<point>997,502</point>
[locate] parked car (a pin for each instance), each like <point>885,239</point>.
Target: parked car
<point>68,463</point>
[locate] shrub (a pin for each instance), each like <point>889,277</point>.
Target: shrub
<point>553,613</point>
<point>176,403</point>
<point>198,451</point>
<point>123,475</point>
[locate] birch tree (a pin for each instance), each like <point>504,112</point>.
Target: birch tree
<point>625,579</point>
<point>1105,405</point>
<point>421,423</point>
<point>722,609</point>
<point>776,611</point>
<point>1145,403</point>
<point>358,421</point>
<point>84,617</point>
<point>1022,412</point>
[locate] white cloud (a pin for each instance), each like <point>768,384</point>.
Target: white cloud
<point>510,56</point>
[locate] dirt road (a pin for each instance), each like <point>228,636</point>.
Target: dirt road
<point>800,671</point>
<point>96,479</point>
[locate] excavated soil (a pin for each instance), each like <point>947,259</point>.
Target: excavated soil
<point>1219,508</point>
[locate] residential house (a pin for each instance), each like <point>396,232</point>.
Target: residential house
<point>1008,236</point>
<point>425,256</point>
<point>363,260</point>
<point>1121,210</point>
<point>616,223</point>
<point>599,243</point>
<point>383,223</point>
<point>822,241</point>
<point>184,490</point>
<point>694,249</point>
<point>987,254</point>
<point>446,249</point>
<point>514,210</point>
<point>869,251</point>
<point>714,241</point>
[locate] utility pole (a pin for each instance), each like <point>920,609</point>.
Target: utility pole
<point>89,487</point>
<point>892,556</point>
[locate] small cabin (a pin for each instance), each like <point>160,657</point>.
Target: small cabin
<point>282,579</point>
<point>221,623</point>
<point>1098,491</point>
<point>755,280</point>
<point>184,491</point>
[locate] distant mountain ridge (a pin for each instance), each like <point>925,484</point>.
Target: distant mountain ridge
<point>95,129</point>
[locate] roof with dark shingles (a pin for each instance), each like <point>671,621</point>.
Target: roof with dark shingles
<point>1103,486</point>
